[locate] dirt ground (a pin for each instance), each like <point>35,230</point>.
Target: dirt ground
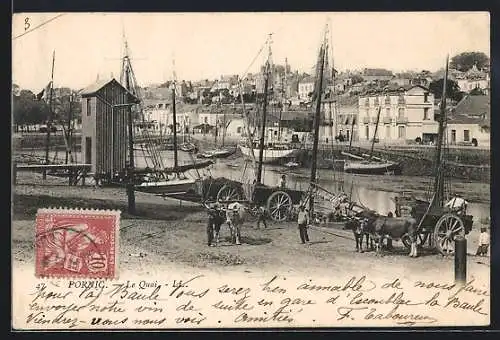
<point>169,233</point>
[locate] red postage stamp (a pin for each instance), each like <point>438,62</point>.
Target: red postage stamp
<point>72,243</point>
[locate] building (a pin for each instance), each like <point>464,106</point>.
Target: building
<point>406,114</point>
<point>105,116</point>
<point>470,121</point>
<point>306,86</point>
<point>377,74</point>
<point>473,79</point>
<point>235,128</point>
<point>339,118</point>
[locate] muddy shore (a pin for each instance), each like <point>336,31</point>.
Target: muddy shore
<point>169,232</point>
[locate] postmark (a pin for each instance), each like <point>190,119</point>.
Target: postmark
<point>74,243</point>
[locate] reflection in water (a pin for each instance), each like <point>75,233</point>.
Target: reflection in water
<point>381,201</point>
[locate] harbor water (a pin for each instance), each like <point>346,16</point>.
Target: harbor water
<point>234,168</point>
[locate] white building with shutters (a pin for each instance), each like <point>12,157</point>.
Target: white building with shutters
<point>407,114</point>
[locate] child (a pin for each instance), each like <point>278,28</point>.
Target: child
<point>484,242</point>
<point>262,217</point>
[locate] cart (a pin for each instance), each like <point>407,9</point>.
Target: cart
<point>279,202</point>
<point>438,226</point>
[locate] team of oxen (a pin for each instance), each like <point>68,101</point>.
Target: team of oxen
<point>233,215</point>
<point>366,225</point>
<point>374,228</point>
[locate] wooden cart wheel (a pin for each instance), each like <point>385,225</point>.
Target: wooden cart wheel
<point>228,192</point>
<point>421,239</point>
<point>447,227</point>
<point>279,206</point>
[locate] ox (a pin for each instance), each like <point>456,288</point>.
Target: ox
<point>359,231</point>
<point>216,218</point>
<point>394,228</point>
<point>235,215</point>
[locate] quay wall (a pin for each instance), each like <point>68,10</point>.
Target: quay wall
<point>462,163</point>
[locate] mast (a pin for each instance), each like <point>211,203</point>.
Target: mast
<point>130,185</point>
<point>283,97</point>
<point>263,124</point>
<point>174,127</point>
<point>375,132</point>
<point>69,132</point>
<point>49,122</point>
<point>317,118</point>
<point>223,126</point>
<point>247,126</point>
<point>174,114</point>
<point>438,170</point>
<point>352,133</point>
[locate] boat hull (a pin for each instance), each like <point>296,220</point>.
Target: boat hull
<point>216,154</point>
<point>373,168</point>
<point>269,155</point>
<point>165,188</point>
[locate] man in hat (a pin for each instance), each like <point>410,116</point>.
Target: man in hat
<point>303,220</point>
<point>457,204</point>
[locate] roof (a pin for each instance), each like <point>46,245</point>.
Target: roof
<point>483,121</point>
<point>473,105</point>
<point>392,88</point>
<point>309,79</point>
<point>293,115</point>
<point>343,100</point>
<point>99,84</point>
<point>376,72</point>
<point>472,110</point>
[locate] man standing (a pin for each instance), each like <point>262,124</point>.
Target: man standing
<point>303,220</point>
<point>282,183</point>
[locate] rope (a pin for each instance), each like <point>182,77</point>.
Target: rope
<point>254,59</point>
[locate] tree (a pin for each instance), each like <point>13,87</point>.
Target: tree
<point>27,110</point>
<point>476,92</point>
<point>464,61</point>
<point>452,89</point>
<point>15,90</point>
<point>356,78</point>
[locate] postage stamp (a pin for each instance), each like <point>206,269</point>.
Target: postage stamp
<point>73,243</point>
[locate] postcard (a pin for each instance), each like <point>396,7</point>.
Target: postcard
<point>250,170</point>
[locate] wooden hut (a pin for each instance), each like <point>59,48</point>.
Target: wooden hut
<point>105,114</point>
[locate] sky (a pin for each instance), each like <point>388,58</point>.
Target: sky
<point>208,45</point>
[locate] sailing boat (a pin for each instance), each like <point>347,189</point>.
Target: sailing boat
<point>273,151</point>
<point>157,179</point>
<point>186,146</point>
<point>218,152</point>
<point>371,165</point>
